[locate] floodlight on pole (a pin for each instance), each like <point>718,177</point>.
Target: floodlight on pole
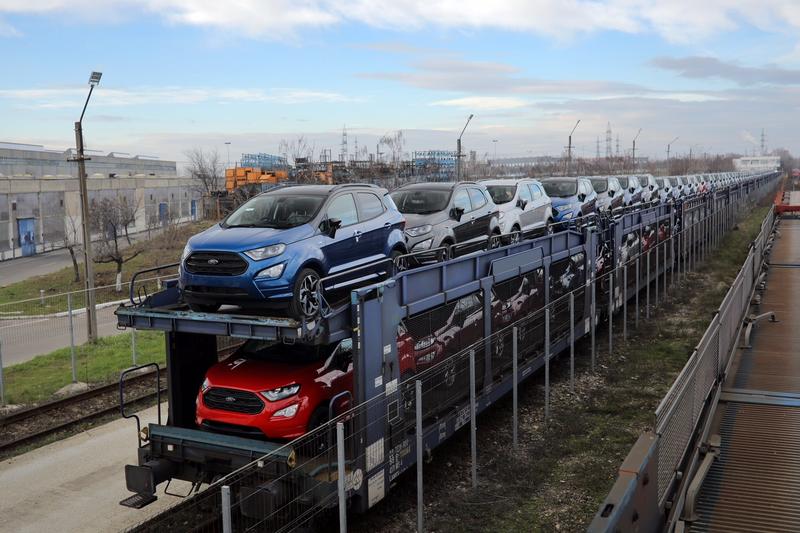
<point>569,148</point>
<point>458,149</point>
<point>88,267</point>
<point>633,152</point>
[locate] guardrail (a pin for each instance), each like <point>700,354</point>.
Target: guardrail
<point>653,479</point>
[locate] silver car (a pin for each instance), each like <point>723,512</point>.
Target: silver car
<point>649,188</point>
<point>632,189</point>
<point>609,192</point>
<point>524,207</point>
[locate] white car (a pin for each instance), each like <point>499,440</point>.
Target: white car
<point>524,207</point>
<point>609,192</point>
<point>649,188</point>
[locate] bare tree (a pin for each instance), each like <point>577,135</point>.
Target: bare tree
<point>72,242</point>
<point>299,148</point>
<point>395,143</point>
<point>108,220</point>
<point>127,213</point>
<point>205,168</point>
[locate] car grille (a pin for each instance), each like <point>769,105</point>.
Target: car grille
<point>215,264</point>
<point>238,401</point>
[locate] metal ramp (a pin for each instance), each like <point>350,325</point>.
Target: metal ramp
<point>754,484</point>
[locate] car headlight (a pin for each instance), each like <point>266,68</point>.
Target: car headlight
<point>423,245</point>
<point>419,230</point>
<point>501,216</point>
<point>266,252</point>
<point>281,392</point>
<point>206,384</point>
<point>286,412</point>
<point>567,214</point>
<point>272,272</point>
<point>421,344</point>
<point>186,251</point>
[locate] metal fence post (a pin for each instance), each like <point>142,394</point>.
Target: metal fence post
<point>227,523</point>
<point>2,378</point>
<point>341,484</point>
<point>572,342</point>
<point>625,302</point>
<point>133,346</point>
<point>546,363</point>
<point>647,288</point>
<point>41,297</point>
<point>73,362</point>
<point>638,277</point>
<point>594,323</point>
<point>420,508</point>
<point>515,374</point>
<point>655,301</point>
<point>611,311</point>
<point>472,428</point>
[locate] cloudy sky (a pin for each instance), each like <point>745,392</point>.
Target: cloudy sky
<point>179,74</point>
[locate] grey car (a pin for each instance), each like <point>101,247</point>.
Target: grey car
<point>524,206</point>
<point>609,192</point>
<point>446,214</point>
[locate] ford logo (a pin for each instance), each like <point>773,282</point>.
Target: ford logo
<point>230,399</point>
<point>213,261</point>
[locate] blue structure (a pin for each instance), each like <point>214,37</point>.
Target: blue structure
<point>439,165</point>
<point>264,161</point>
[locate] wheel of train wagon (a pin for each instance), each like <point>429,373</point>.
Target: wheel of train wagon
<point>306,302</point>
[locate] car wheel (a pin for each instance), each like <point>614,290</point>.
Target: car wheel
<point>445,254</point>
<point>516,235</point>
<point>319,441</point>
<point>549,230</point>
<point>306,302</point>
<point>397,264</point>
<point>204,308</point>
<point>494,240</point>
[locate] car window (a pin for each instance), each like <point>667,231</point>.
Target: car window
<point>536,191</point>
<point>275,211</point>
<point>525,193</point>
<point>389,203</point>
<point>613,184</point>
<point>420,201</point>
<point>370,205</point>
<point>344,208</point>
<point>477,198</point>
<point>461,200</point>
<point>501,194</point>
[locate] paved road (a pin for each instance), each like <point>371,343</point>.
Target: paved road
<point>24,339</point>
<point>76,484</point>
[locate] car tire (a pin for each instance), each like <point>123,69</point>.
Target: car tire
<point>516,235</point>
<point>494,240</point>
<point>446,244</point>
<point>204,308</point>
<point>318,442</point>
<point>394,257</point>
<point>548,229</point>
<point>306,302</point>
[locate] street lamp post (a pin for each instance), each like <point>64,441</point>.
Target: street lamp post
<point>458,150</point>
<point>88,267</point>
<point>669,146</point>
<point>228,145</point>
<point>569,149</point>
<point>633,152</point>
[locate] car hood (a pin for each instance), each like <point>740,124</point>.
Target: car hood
<point>412,220</point>
<point>241,239</point>
<point>256,376</point>
<point>558,201</point>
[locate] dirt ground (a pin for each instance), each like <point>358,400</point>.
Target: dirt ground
<point>565,466</point>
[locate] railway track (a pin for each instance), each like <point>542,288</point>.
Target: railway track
<point>35,423</point>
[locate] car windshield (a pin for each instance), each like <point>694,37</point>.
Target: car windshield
<point>502,194</point>
<point>278,352</point>
<point>600,185</point>
<point>560,189</point>
<point>421,201</point>
<point>623,182</point>
<point>275,211</point>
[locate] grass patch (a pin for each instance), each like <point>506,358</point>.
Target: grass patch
<point>163,248</point>
<point>100,362</point>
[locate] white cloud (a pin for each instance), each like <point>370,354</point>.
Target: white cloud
<point>483,103</point>
<point>675,20</point>
<point>7,30</point>
<point>67,97</point>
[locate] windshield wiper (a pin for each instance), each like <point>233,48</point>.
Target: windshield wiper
<point>241,226</point>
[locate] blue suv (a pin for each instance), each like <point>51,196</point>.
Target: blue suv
<point>274,249</point>
<point>571,197</point>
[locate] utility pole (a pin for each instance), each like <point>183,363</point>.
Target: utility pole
<point>88,267</point>
<point>669,145</point>
<point>633,151</point>
<point>495,150</point>
<point>458,149</point>
<point>228,146</point>
<point>569,149</point>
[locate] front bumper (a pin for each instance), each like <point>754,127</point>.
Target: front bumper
<point>279,428</point>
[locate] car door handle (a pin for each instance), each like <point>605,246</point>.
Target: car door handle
<point>357,235</point>
<point>387,224</point>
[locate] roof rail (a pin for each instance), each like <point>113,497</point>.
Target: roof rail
<point>343,185</point>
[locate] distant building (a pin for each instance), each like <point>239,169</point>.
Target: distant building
<point>435,164</point>
<point>40,199</point>
<point>756,163</point>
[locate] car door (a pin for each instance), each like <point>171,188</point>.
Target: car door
<point>371,216</point>
<point>527,214</point>
<point>344,249</point>
<point>462,228</point>
<point>482,213</point>
<point>542,202</point>
<point>617,198</point>
<point>590,199</point>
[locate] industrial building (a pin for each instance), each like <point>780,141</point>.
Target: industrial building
<point>40,199</point>
<point>757,163</point>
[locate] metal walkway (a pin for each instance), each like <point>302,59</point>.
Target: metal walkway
<point>754,485</point>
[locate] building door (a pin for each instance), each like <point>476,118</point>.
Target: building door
<point>26,227</point>
<point>194,209</point>
<point>163,213</point>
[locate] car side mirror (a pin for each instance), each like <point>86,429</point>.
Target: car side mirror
<point>521,203</point>
<point>611,192</point>
<point>456,213</point>
<point>330,226</point>
<point>581,197</point>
